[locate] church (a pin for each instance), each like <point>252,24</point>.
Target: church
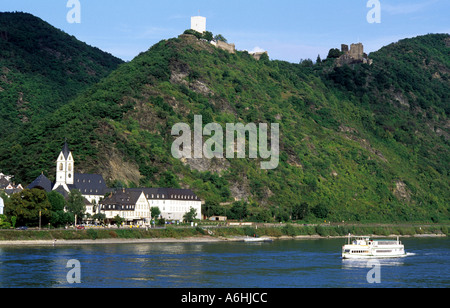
<point>92,186</point>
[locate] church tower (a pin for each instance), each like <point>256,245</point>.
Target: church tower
<point>64,168</point>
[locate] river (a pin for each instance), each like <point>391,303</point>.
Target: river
<point>279,264</point>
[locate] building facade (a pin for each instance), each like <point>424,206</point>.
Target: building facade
<point>134,205</point>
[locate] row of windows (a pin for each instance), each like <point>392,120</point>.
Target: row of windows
<point>117,207</point>
<point>359,251</point>
<point>185,197</point>
<point>84,181</point>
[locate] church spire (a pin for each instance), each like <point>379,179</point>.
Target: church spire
<point>65,150</point>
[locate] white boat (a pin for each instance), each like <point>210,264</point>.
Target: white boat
<point>249,239</point>
<point>363,247</point>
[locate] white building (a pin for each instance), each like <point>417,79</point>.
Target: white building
<point>134,204</point>
<point>198,23</point>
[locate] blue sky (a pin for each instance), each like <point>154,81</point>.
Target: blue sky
<point>288,29</point>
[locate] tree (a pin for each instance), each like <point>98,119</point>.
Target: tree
<point>13,221</point>
<point>220,37</point>
<point>239,210</point>
<point>118,220</point>
<point>75,204</point>
<point>320,211</point>
<point>56,200</point>
<point>300,211</point>
<point>193,32</point>
<point>168,179</point>
<point>4,224</point>
<point>190,216</point>
<point>61,218</point>
<point>26,206</point>
<point>155,212</point>
<point>212,208</point>
<point>334,53</point>
<point>318,60</point>
<point>208,36</point>
<point>100,217</point>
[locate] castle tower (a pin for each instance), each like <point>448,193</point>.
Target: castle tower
<point>198,23</point>
<point>64,168</point>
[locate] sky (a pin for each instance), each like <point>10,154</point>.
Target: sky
<point>289,30</point>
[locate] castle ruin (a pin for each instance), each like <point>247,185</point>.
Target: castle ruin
<point>353,55</point>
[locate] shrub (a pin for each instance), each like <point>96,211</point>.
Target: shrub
<point>93,234</point>
<point>322,231</point>
<point>289,230</point>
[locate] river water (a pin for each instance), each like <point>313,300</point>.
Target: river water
<point>280,264</point>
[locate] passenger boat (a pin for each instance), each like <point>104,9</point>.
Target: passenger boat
<point>363,247</point>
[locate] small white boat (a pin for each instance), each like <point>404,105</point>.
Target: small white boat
<point>363,247</point>
<point>249,239</point>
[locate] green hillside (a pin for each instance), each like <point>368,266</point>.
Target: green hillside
<point>42,68</point>
<point>360,143</point>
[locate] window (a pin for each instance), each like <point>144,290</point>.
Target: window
<point>61,167</point>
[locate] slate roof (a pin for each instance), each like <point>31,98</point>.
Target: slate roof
<point>123,199</point>
<point>65,150</point>
<point>41,182</point>
<point>89,184</point>
<point>3,183</point>
<point>62,191</point>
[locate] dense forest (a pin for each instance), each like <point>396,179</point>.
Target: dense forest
<point>358,142</point>
<point>42,68</point>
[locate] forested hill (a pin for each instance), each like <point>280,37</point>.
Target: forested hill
<point>358,143</point>
<point>42,68</point>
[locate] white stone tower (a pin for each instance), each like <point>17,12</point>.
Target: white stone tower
<point>198,23</point>
<point>64,168</point>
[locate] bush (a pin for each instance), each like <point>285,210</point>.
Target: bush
<point>322,231</point>
<point>249,231</point>
<point>93,234</point>
<point>289,230</point>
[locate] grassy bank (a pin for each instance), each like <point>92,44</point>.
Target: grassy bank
<point>326,231</point>
<point>178,233</point>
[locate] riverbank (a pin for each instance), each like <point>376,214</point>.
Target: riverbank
<point>210,234</point>
<point>204,239</point>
